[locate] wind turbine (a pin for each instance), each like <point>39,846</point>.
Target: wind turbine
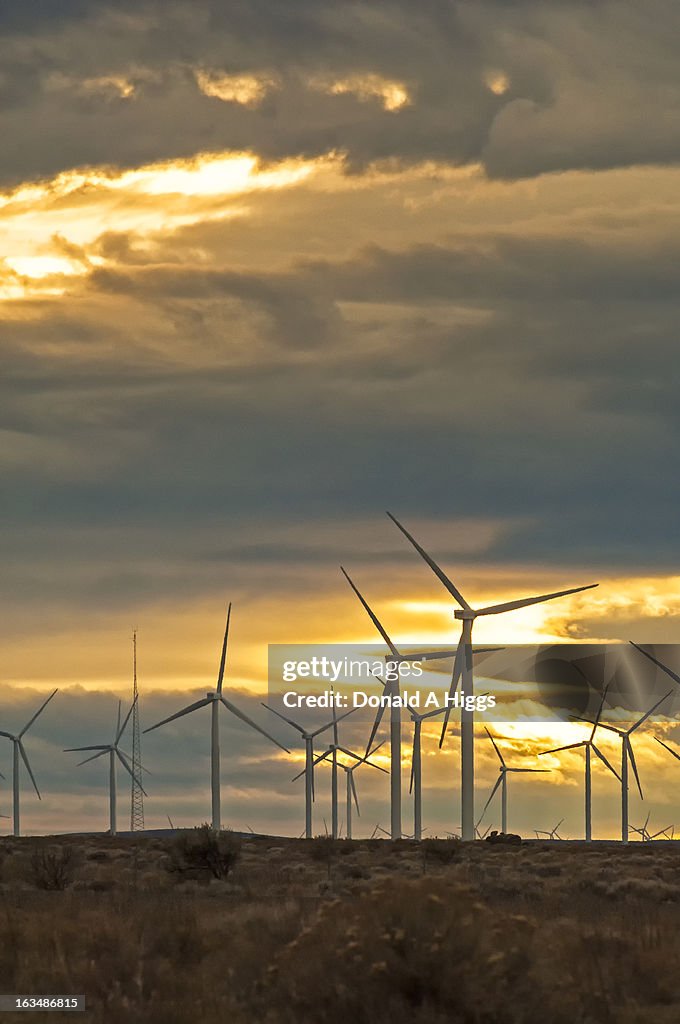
<point>393,661</point>
<point>502,781</point>
<point>20,751</point>
<point>626,755</point>
<point>309,737</point>
<point>416,783</point>
<point>552,834</point>
<point>114,751</point>
<point>463,665</point>
<point>214,698</point>
<point>587,746</point>
<point>645,835</point>
<point>349,769</point>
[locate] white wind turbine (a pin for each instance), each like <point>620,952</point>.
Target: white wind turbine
<point>463,665</point>
<point>552,834</point>
<point>502,781</point>
<point>114,751</point>
<point>587,746</point>
<point>416,783</point>
<point>349,769</point>
<point>309,737</point>
<point>392,688</point>
<point>646,836</point>
<point>19,751</point>
<point>214,698</point>
<point>627,755</point>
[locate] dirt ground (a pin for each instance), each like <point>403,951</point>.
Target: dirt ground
<point>158,930</point>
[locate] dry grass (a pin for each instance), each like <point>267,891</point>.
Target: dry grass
<point>367,931</point>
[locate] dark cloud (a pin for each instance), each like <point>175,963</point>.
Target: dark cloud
<point>576,85</point>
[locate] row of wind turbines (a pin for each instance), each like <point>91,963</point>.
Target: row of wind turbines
<point>462,675</point>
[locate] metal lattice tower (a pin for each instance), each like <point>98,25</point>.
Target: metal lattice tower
<point>137,803</point>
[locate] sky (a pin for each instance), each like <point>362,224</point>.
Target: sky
<point>268,270</point>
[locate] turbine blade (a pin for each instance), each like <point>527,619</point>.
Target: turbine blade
<point>283,717</point>
<point>600,725</point>
<point>7,734</point>
<point>94,756</point>
<point>373,617</point>
<point>629,747</point>
<point>500,756</point>
<point>38,712</point>
<point>354,792</point>
<point>413,760</point>
<point>223,656</point>
<point>128,769</point>
<point>524,602</point>
<point>99,746</point>
<point>650,712</point>
<point>430,655</point>
<point>605,761</point>
<point>24,758</point>
<point>669,749</point>
<point>120,704</point>
<point>439,573</point>
<point>121,728</point>
<point>435,711</point>
<point>333,721</point>
<point>455,676</point>
<point>664,668</point>
<point>528,769</point>
<point>244,718</point>
<point>599,711</point>
<point>376,725</point>
<point>491,796</point>
<point>569,746</point>
<point>317,760</point>
<point>180,714</point>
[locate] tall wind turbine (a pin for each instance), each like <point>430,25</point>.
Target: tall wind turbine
<point>114,751</point>
<point>416,783</point>
<point>20,751</point>
<point>309,738</point>
<point>463,664</point>
<point>587,746</point>
<point>214,698</point>
<point>392,687</point>
<point>627,755</point>
<point>502,781</point>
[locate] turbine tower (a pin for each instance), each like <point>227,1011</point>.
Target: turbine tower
<point>137,790</point>
<point>587,746</point>
<point>308,772</point>
<point>20,752</point>
<point>392,687</point>
<point>466,614</point>
<point>114,751</point>
<point>502,781</point>
<point>213,699</point>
